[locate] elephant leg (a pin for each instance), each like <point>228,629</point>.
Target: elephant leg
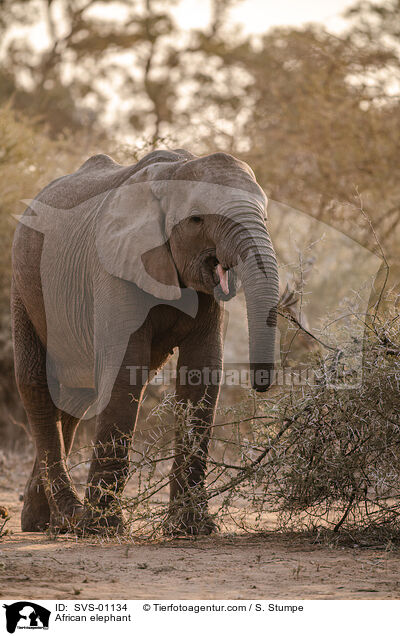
<point>109,469</point>
<point>198,380</point>
<point>49,479</point>
<point>36,504</point>
<point>35,516</point>
<point>69,425</point>
<point>188,509</point>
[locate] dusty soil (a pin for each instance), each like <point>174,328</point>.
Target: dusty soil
<point>272,566</point>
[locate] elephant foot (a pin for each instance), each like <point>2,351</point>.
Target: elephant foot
<point>38,515</point>
<point>189,523</point>
<point>66,519</point>
<point>35,516</point>
<point>105,521</point>
<point>35,519</point>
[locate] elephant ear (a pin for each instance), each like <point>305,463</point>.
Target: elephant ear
<point>131,240</point>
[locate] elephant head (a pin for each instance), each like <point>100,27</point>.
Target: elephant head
<point>181,221</point>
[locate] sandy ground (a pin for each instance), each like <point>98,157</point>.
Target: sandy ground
<point>271,566</point>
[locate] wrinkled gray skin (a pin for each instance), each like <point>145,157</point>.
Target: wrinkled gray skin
<point>113,267</point>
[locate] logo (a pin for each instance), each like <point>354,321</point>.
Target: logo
<point>26,615</point>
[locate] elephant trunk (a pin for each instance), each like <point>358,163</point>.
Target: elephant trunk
<point>257,268</point>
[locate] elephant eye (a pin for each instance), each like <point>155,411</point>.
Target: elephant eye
<point>196,219</point>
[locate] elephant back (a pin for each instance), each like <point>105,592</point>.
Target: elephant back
<point>99,174</point>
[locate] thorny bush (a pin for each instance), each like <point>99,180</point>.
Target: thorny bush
<point>319,456</point>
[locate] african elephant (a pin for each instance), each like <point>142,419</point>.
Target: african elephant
<point>113,267</point>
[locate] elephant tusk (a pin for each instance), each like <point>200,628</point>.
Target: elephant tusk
<point>223,278</point>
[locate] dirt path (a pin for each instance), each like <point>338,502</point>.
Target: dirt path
<point>222,567</point>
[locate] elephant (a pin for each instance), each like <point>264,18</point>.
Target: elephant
<point>113,268</point>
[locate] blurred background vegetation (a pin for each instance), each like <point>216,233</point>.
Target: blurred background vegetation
<point>315,114</point>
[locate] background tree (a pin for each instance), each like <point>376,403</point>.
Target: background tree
<point>85,58</point>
